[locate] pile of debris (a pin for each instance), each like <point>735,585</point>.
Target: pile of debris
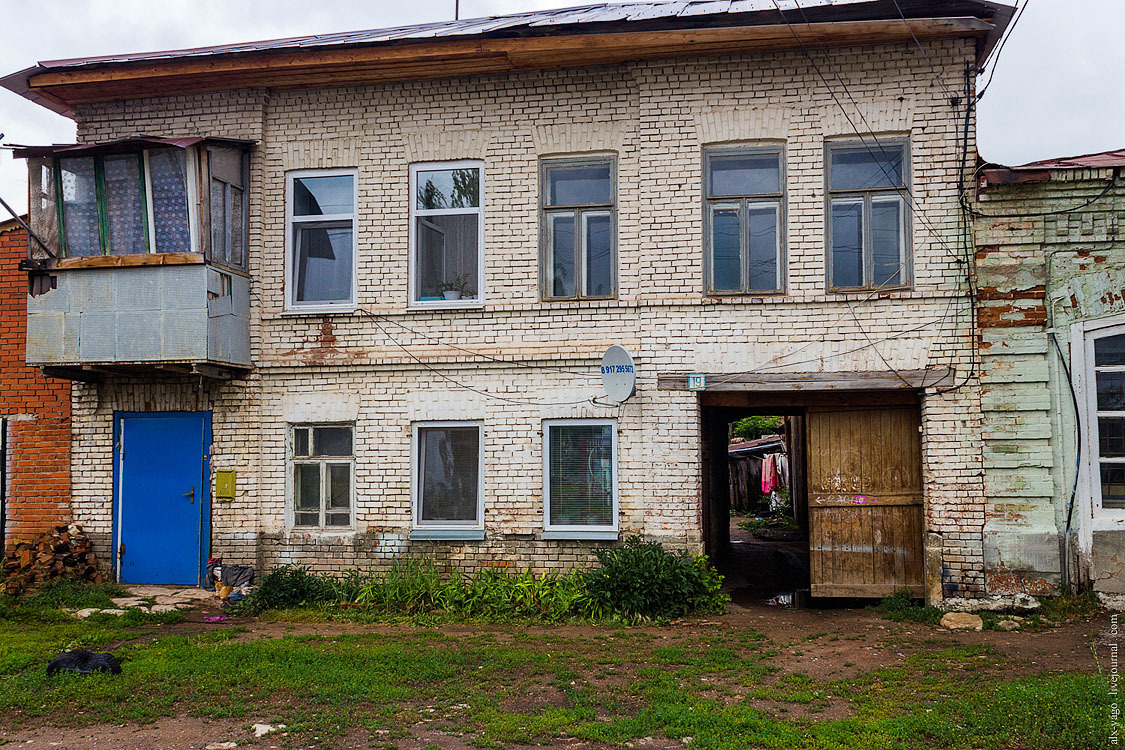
<point>64,552</point>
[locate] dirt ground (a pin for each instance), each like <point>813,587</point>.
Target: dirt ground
<point>821,643</point>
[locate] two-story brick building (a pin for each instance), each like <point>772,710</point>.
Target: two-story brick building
<point>341,300</point>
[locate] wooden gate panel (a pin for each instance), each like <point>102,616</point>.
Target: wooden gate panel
<point>865,501</point>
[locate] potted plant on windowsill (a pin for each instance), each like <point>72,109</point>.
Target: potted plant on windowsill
<point>455,288</point>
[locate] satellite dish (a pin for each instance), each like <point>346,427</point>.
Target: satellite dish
<point>619,377</point>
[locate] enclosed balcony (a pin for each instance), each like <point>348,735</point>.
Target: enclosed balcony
<point>137,258</point>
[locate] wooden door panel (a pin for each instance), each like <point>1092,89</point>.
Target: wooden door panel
<point>865,501</point>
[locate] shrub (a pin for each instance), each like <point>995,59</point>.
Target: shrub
<point>752,428</point>
<point>290,586</point>
<point>641,580</point>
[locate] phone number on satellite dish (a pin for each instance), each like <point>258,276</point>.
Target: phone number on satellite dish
<point>610,369</point>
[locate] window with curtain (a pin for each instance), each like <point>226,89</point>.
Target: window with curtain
<point>447,485</point>
<point>868,223</point>
<point>322,462</point>
<point>447,232</point>
<point>125,203</point>
<point>581,481</point>
<point>579,254</point>
<point>744,220</point>
<point>321,230</point>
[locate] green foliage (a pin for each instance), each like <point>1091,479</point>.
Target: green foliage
<point>290,586</point>
<point>66,593</point>
<point>665,585</point>
<point>783,522</point>
<point>641,580</point>
<point>900,607</point>
<point>753,428</point>
<point>1067,606</point>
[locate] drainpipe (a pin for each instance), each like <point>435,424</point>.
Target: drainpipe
<point>3,486</point>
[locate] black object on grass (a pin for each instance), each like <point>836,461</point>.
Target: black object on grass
<point>82,661</point>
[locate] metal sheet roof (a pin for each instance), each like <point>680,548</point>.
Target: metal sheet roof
<point>1100,160</point>
<point>549,21</point>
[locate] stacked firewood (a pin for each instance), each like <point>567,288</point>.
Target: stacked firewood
<point>64,552</point>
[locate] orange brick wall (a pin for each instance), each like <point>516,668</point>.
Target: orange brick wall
<point>37,411</point>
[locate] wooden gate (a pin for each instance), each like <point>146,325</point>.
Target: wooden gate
<point>865,501</point>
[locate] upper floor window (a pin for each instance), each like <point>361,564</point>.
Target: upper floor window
<point>320,232</point>
<point>868,228</point>
<point>123,203</point>
<point>322,464</point>
<point>745,195</point>
<point>579,228</point>
<point>447,232</point>
<point>140,196</point>
<point>1105,353</point>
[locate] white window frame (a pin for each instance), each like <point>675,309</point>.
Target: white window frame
<point>551,531</point>
<point>291,460</point>
<point>1091,514</point>
<point>412,264</point>
<point>465,531</point>
<point>292,306</point>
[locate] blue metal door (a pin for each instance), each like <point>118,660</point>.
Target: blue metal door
<point>162,496</point>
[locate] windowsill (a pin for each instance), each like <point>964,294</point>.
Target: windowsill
<point>138,259</point>
<point>327,310</point>
<point>576,300</point>
<point>446,304</point>
<point>870,290</point>
<point>591,536</point>
<point>461,535</point>
<point>744,295</point>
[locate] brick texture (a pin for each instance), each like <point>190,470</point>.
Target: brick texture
<point>36,412</point>
<point>656,116</point>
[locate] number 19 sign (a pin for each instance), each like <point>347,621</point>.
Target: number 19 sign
<point>619,377</point>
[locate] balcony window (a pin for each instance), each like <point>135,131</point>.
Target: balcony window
<point>140,196</point>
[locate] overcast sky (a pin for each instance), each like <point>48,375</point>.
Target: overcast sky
<point>1058,89</point>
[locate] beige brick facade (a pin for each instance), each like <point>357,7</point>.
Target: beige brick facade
<point>656,117</point>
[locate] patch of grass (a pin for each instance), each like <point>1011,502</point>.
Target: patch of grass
<point>900,607</point>
<point>1069,606</point>
<point>69,594</point>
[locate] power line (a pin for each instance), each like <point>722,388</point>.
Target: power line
<point>922,49</point>
<point>375,319</point>
<point>1000,49</point>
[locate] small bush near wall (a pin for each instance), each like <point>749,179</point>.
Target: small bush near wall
<point>637,582</point>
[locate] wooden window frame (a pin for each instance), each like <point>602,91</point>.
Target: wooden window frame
<point>292,459</point>
<point>745,202</point>
<point>412,262</point>
<point>579,211</point>
<point>571,531</point>
<point>867,196</point>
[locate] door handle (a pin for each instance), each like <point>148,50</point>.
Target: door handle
<point>191,494</point>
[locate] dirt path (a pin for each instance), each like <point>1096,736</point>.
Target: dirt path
<point>824,644</point>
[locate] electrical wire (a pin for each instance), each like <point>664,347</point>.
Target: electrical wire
<point>996,58</point>
<point>521,402</point>
<point>481,355</point>
<point>922,49</point>
<point>907,193</point>
<point>1059,212</point>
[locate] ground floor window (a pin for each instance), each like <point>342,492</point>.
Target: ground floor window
<point>448,476</point>
<point>321,474</point>
<point>580,483</point>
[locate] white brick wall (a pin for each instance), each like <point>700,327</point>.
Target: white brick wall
<point>656,116</point>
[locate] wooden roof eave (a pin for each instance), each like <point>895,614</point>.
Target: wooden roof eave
<point>459,57</point>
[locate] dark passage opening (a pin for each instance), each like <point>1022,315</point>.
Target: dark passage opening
<point>755,501</point>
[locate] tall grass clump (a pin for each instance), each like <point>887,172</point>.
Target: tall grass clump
<point>636,582</point>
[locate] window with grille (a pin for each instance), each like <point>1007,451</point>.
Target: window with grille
<point>322,473</point>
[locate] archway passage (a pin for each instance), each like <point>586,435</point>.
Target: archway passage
<point>851,521</point>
